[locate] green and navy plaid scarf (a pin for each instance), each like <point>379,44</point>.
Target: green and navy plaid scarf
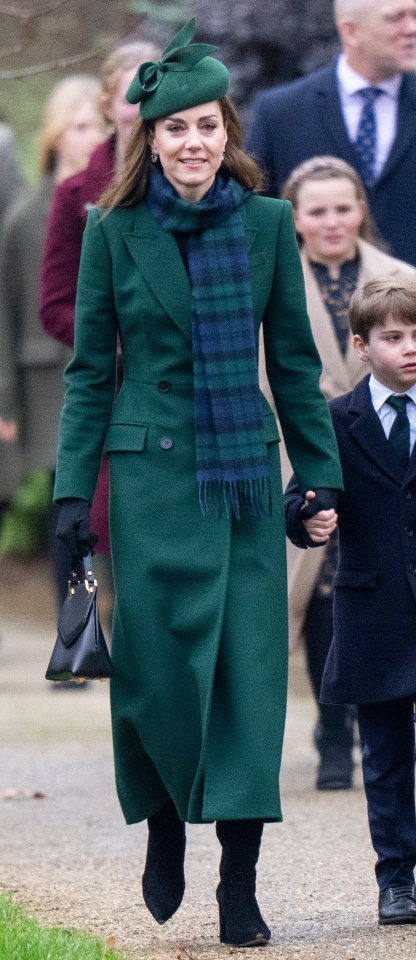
<point>231,453</point>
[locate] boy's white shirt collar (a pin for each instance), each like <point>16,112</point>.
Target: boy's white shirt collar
<point>379,393</point>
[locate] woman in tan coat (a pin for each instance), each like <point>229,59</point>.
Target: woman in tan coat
<point>334,229</point>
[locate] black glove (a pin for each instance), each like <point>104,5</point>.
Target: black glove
<point>296,511</point>
<point>325,499</point>
<point>73,528</point>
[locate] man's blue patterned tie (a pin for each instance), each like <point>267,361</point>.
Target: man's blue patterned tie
<point>366,141</point>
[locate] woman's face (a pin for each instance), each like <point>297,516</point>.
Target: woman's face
<point>190,146</point>
<point>121,113</point>
<point>328,216</point>
<point>80,138</point>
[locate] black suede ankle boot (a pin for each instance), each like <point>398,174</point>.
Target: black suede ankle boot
<point>241,922</point>
<point>163,879</point>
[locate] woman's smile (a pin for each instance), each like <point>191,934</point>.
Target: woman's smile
<point>193,161</point>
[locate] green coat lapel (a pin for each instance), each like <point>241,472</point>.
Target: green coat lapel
<point>153,248</point>
<point>251,232</point>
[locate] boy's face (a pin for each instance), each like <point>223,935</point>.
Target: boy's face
<point>390,353</point>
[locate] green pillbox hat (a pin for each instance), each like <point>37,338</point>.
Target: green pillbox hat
<point>184,77</point>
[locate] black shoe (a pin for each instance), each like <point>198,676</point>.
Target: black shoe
<point>335,769</point>
<point>163,880</point>
<point>336,765</point>
<point>241,923</point>
<point>397,905</point>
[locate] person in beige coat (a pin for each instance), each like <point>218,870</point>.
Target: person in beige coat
<point>338,255</point>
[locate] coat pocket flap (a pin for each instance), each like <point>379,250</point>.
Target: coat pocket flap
<point>358,579</point>
<point>270,428</point>
<point>257,259</point>
<point>126,436</point>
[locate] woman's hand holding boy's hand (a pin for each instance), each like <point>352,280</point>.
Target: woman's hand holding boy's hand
<point>320,526</point>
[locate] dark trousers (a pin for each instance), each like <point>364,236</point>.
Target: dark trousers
<point>387,734</point>
<point>317,632</point>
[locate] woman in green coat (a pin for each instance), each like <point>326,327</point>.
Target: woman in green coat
<point>182,264</point>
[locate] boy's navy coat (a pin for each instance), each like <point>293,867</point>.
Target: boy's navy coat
<point>373,654</point>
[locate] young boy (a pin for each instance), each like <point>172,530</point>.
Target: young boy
<point>372,659</point>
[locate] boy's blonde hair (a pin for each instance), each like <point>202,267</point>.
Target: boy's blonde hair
<point>371,304</point>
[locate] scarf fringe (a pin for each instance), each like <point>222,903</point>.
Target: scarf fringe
<point>252,497</point>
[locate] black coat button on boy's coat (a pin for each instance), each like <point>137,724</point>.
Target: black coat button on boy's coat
<point>164,386</point>
<point>166,443</point>
<point>412,568</point>
<point>408,495</point>
<point>409,531</point>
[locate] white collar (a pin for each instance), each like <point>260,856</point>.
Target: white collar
<point>351,81</point>
<point>380,393</point>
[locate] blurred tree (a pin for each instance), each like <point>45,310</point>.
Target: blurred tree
<point>44,40</point>
<point>265,42</point>
<point>163,16</point>
<point>262,41</point>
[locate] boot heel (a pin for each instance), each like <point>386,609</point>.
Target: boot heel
<point>241,923</point>
<point>223,932</point>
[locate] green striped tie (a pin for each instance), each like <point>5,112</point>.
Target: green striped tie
<point>399,436</point>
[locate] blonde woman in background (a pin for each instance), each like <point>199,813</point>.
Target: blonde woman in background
<point>73,199</point>
<point>31,365</point>
<point>338,254</point>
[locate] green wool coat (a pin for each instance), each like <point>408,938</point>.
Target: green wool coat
<point>200,629</point>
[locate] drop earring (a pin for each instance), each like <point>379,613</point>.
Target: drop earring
<point>153,156</point>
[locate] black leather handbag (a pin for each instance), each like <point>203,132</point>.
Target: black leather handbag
<point>80,652</point>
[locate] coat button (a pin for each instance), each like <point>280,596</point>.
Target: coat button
<point>166,443</point>
<point>412,568</point>
<point>409,531</point>
<point>408,495</point>
<point>164,386</point>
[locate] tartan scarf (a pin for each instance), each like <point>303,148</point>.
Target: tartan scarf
<point>231,453</point>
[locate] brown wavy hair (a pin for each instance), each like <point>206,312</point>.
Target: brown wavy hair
<point>130,187</point>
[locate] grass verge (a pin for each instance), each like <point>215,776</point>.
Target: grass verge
<point>21,938</point>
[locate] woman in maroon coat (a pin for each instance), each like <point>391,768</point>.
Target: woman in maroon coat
<point>71,202</point>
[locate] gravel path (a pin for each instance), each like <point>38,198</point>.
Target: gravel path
<point>69,857</point>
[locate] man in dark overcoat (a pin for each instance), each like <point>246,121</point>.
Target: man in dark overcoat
<point>360,108</point>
